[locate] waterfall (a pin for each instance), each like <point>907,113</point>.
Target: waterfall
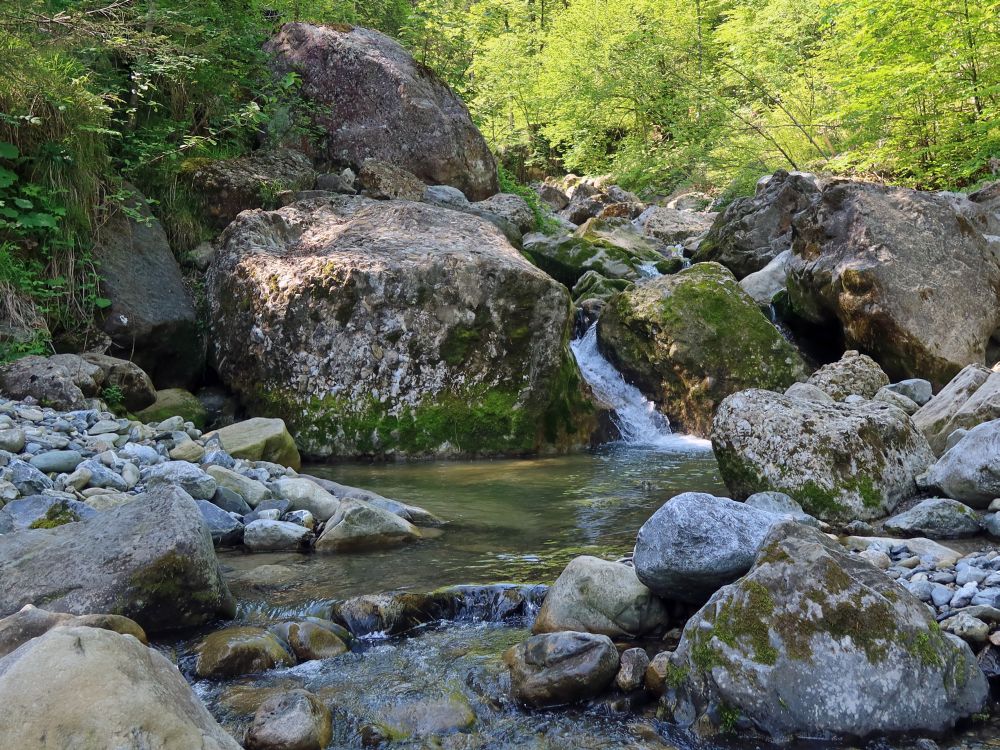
<point>635,416</point>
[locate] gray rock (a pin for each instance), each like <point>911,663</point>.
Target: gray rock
<point>918,390</point>
<point>970,398</point>
<point>808,392</point>
<point>305,495</point>
<point>151,560</point>
<point>252,492</point>
<point>970,470</point>
<point>598,596</point>
<point>632,672</point>
<point>780,504</point>
<point>696,543</point>
<point>26,511</point>
<point>415,515</point>
<point>57,462</point>
<point>829,640</point>
<point>293,720</point>
<point>762,285</point>
<point>673,226</point>
<point>896,399</point>
<point>970,629</point>
<point>230,502</point>
<point>445,195</point>
<point>852,374</point>
<point>27,479</point>
<point>358,525</point>
<point>264,535</point>
<point>226,531</point>
<point>991,523</point>
<point>559,668</point>
<point>102,476</point>
<point>936,518</point>
<point>188,477</point>
<point>512,208</point>
<point>12,440</point>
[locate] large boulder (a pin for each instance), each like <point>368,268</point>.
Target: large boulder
<point>77,687</point>
<point>174,402</point>
<point>970,470</point>
<point>689,340</point>
<point>612,248</point>
<point>30,622</point>
<point>373,100</point>
<point>752,232</point>
<point>696,543</point>
<point>151,560</point>
<point>840,461</point>
<point>815,641</point>
<point>935,518</point>
<point>671,225</point>
<point>557,668</point>
<point>854,374</point>
<point>598,596</point>
<point>971,398</point>
<point>66,381</point>
<point>390,327</point>
<point>906,275</point>
<point>358,525</point>
<point>227,186</point>
<point>762,285</point>
<point>151,319</point>
<point>260,439</point>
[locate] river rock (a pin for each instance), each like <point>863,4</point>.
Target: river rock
<point>598,596</point>
<point>226,531</point>
<point>689,340</point>
<point>174,402</point>
<point>970,470</point>
<point>293,720</point>
<point>631,673</point>
<point>30,622</point>
<point>397,329</point>
<point>971,398</point>
<point>868,258</point>
<point>559,668</point>
<point>695,543</point>
<point>672,226</point>
<point>260,439</point>
<point>56,462</point>
<point>306,495</point>
<point>152,561</point>
<point>839,461</point>
<point>936,518</point>
<point>762,285</point>
<point>42,511</point>
<point>752,232</point>
<point>151,319</point>
<point>853,373</point>
<point>918,390</point>
<point>239,651</point>
<point>66,381</point>
<point>263,535</point>
<point>188,477</point>
<point>896,399</point>
<point>374,101</point>
<point>358,525</point>
<point>510,207</point>
<point>249,490</point>
<point>310,640</point>
<point>815,641</point>
<point>83,684</point>
<point>412,513</point>
<point>426,718</point>
<point>12,440</point>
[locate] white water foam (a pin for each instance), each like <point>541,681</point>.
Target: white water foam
<point>635,416</point>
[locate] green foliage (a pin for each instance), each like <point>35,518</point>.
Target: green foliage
<point>113,396</point>
<point>509,184</point>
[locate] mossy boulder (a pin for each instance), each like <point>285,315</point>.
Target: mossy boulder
<point>594,286</point>
<point>260,439</point>
<point>853,374</point>
<point>611,247</point>
<point>814,641</point>
<point>689,340</point>
<point>839,461</point>
<point>391,328</point>
<point>174,402</point>
<point>239,651</point>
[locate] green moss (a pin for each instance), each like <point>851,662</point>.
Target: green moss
<point>173,591</point>
<point>747,617</point>
<point>728,718</point>
<point>923,647</point>
<point>819,501</point>
<point>675,676</point>
<point>57,515</point>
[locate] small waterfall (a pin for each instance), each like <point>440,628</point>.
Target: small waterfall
<point>635,416</point>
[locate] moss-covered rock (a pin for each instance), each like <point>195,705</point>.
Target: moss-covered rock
<point>238,651</point>
<point>594,286</point>
<point>174,402</point>
<point>260,439</point>
<point>689,340</point>
<point>814,641</point>
<point>838,461</point>
<point>377,328</point>
<point>611,247</point>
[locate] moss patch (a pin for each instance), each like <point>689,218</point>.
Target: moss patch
<point>57,515</point>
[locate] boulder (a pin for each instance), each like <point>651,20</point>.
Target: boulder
<point>970,470</point>
<point>552,195</point>
<point>446,196</point>
<point>152,561</point>
<point>415,515</point>
<point>428,718</point>
<point>936,518</point>
<point>252,492</point>
<point>151,319</point>
<point>234,652</point>
<point>66,381</point>
<point>632,672</point>
<point>696,543</point>
<point>384,181</point>
<point>264,535</point>
<point>76,685</point>
<point>898,400</point>
<point>225,187</point>
<point>174,402</point>
<point>42,512</point>
<point>839,461</point>
<point>816,642</point>
<point>306,495</point>
<point>373,100</point>
<point>395,328</point>
<point>852,374</point>
<point>905,275</point>
<point>510,207</point>
<point>689,340</point>
<point>293,720</point>
<point>226,531</point>
<point>358,525</point>
<point>752,232</point>
<point>30,622</point>
<point>592,285</point>
<point>598,596</point>
<point>762,285</point>
<point>559,668</point>
<point>672,226</point>
<point>310,640</point>
<point>182,474</point>
<point>612,248</point>
<point>918,390</point>
<point>971,398</point>
<point>260,439</point>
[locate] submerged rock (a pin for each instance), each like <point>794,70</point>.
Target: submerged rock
<point>814,641</point>
<point>840,461</point>
<point>559,668</point>
<point>689,340</point>
<point>598,596</point>
<point>310,640</point>
<point>76,684</point>
<point>294,720</point>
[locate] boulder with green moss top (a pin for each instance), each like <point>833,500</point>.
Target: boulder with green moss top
<point>174,402</point>
<point>971,398</point>
<point>814,641</point>
<point>611,247</point>
<point>150,560</point>
<point>689,340</point>
<point>593,285</point>
<point>839,461</point>
<point>908,276</point>
<point>233,652</point>
<point>260,439</point>
<point>852,374</point>
<point>390,328</point>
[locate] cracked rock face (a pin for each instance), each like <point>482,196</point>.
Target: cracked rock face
<point>394,328</point>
